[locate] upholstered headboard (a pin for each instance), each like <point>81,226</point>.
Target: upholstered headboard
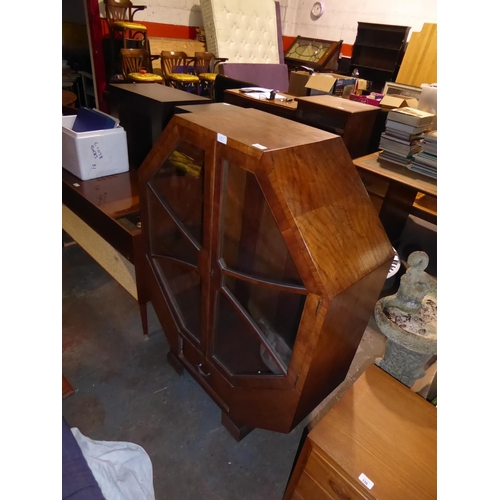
<point>244,31</point>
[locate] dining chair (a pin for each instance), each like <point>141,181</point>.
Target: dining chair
<point>137,67</point>
<point>120,19</point>
<point>205,65</point>
<point>175,70</point>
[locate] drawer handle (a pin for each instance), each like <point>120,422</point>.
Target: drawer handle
<point>201,372</point>
<point>341,494</point>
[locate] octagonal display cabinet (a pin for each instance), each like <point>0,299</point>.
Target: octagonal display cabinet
<point>265,258</point>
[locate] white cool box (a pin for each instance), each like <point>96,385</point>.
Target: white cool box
<point>89,155</point>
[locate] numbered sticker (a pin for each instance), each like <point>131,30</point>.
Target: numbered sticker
<point>259,146</point>
<point>367,482</point>
<point>222,138</point>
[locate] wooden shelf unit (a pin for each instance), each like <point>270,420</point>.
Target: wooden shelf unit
<point>378,52</point>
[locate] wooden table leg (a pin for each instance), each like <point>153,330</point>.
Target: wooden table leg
<point>142,289</point>
<point>395,209</point>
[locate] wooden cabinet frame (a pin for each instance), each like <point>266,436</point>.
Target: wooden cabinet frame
<point>297,200</point>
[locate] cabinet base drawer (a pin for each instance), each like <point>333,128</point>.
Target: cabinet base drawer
<point>308,488</point>
<point>331,481</point>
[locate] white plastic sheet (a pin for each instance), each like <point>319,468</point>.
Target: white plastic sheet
<point>122,470</point>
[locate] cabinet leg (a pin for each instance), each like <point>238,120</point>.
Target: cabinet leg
<point>174,362</point>
<point>144,317</point>
<point>236,430</point>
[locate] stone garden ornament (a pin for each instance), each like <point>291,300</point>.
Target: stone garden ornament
<point>409,321</point>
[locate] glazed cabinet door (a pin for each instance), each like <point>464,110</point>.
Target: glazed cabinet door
<point>257,295</point>
<point>176,222</point>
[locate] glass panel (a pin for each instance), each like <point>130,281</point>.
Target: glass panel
<point>166,238</point>
<point>252,242</point>
<point>179,181</point>
<point>184,285</point>
<point>236,345</point>
<point>276,313</point>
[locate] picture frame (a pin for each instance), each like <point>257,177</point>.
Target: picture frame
<point>393,88</point>
<point>314,53</point>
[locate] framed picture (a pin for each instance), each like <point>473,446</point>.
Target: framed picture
<point>392,88</point>
<point>314,53</point>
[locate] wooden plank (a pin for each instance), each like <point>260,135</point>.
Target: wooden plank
<point>100,250</point>
<point>177,44</point>
<point>420,60</point>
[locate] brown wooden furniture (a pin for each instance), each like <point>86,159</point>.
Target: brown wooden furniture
<point>264,261</point>
<point>378,51</point>
<point>144,111</point>
<point>174,68</point>
<point>320,55</point>
<point>213,107</point>
<point>354,121</point>
<point>137,67</point>
<point>102,216</point>
<point>397,192</point>
<point>380,430</point>
<point>278,108</point>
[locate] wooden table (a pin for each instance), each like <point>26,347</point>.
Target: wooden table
<point>354,121</point>
<point>400,189</point>
<point>379,430</point>
<point>213,107</point>
<point>278,108</point>
<point>102,216</point>
<point>144,110</point>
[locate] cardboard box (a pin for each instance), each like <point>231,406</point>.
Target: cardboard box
<point>90,155</point>
<point>329,83</point>
<point>397,101</point>
<point>373,100</point>
<point>297,85</point>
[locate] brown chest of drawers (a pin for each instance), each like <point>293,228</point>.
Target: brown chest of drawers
<point>380,434</point>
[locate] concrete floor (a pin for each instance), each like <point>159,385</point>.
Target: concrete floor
<point>126,391</point>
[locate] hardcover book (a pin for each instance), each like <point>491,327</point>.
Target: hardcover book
<point>411,116</point>
<point>403,127</point>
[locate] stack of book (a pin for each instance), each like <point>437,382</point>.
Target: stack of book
<point>402,138</point>
<point>425,162</point>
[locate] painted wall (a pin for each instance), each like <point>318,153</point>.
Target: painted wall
<point>340,18</point>
<point>176,12</point>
